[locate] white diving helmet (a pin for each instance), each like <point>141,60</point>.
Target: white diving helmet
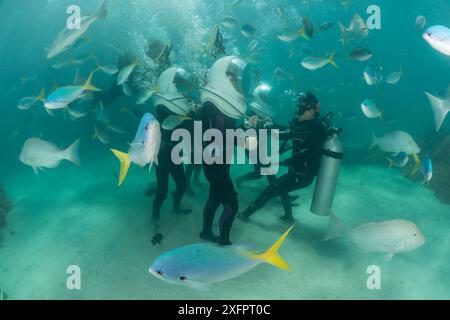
<point>264,99</point>
<point>229,81</point>
<point>174,87</point>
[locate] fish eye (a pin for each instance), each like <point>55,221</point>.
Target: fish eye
<point>146,127</point>
<point>415,235</point>
<point>160,273</point>
<point>182,278</point>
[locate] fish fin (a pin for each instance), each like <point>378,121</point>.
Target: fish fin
<point>88,85</point>
<point>125,163</point>
<point>374,141</point>
<point>440,109</point>
<point>343,33</point>
<point>41,96</point>
<point>71,153</point>
<point>302,34</point>
<point>50,112</point>
<point>95,136</point>
<point>331,60</point>
<point>198,286</point>
<point>336,228</point>
<point>391,162</point>
<point>416,164</point>
<point>102,12</point>
<point>271,256</point>
<point>388,257</point>
<point>35,169</point>
<point>381,116</point>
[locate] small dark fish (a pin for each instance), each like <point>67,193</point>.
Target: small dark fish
<point>157,239</point>
<point>308,27</point>
<point>326,26</point>
<point>361,54</point>
<point>248,30</point>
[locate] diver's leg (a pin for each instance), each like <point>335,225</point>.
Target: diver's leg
<point>254,175</point>
<point>162,187</point>
<point>197,172</point>
<point>270,192</point>
<point>291,182</point>
<point>230,208</point>
<point>208,218</point>
<point>177,173</point>
<point>189,171</point>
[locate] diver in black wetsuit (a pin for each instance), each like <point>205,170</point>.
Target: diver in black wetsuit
<point>308,134</point>
<point>173,99</point>
<point>223,102</point>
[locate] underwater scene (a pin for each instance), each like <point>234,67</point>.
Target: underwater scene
<point>226,149</point>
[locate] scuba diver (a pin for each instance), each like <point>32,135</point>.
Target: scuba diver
<point>222,104</point>
<point>158,52</point>
<point>308,133</point>
<point>173,99</point>
<point>260,117</point>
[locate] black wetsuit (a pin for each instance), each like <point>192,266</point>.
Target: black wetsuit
<point>193,170</point>
<point>221,187</point>
<point>307,138</point>
<point>166,167</point>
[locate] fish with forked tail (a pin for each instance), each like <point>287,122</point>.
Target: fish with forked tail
<point>199,265</point>
<point>144,149</point>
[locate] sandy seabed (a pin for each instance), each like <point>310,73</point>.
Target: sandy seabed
<point>78,216</point>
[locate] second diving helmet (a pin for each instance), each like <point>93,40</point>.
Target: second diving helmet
<point>228,82</point>
<point>175,86</point>
<point>264,98</point>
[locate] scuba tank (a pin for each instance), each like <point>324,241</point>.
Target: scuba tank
<point>327,178</point>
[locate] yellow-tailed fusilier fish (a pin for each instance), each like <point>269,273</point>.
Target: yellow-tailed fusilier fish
<point>202,264</point>
<point>385,237</point>
<point>314,63</point>
<point>394,77</point>
<point>28,102</point>
<point>370,110</point>
<point>125,73</point>
<point>62,97</point>
<point>67,37</point>
<point>439,38</point>
<point>144,149</point>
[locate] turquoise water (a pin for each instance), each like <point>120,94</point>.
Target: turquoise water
<point>73,215</point>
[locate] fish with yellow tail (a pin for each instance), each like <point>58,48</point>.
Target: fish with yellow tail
<point>199,265</point>
<point>144,149</point>
<point>64,96</point>
<point>314,63</point>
